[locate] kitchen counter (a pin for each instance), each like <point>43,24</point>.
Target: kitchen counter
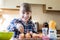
<point>33,39</point>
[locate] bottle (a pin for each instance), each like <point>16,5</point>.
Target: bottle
<point>52,30</point>
<point>44,31</point>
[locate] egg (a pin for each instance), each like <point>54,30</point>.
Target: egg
<point>40,35</point>
<point>34,35</point>
<point>28,35</point>
<point>21,36</point>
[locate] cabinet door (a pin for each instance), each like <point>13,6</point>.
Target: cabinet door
<point>52,5</point>
<point>1,3</point>
<point>14,3</point>
<point>10,3</point>
<point>33,1</point>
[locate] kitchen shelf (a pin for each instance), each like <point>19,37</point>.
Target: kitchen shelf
<point>9,8</point>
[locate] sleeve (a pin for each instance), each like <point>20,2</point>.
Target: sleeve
<point>34,31</point>
<point>12,26</point>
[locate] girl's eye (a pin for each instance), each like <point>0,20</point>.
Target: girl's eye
<point>27,13</point>
<point>23,12</point>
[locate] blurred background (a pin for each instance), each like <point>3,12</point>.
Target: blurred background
<point>42,11</point>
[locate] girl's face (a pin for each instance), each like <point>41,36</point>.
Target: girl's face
<point>25,16</point>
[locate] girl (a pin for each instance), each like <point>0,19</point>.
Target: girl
<point>25,23</point>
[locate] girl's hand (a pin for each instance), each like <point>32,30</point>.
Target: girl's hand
<point>34,35</point>
<point>20,28</point>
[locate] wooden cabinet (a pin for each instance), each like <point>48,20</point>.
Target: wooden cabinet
<point>14,3</point>
<point>10,3</point>
<point>53,5</point>
<point>33,1</point>
<point>50,4</point>
<point>1,3</point>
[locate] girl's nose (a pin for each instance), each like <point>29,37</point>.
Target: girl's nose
<point>25,15</point>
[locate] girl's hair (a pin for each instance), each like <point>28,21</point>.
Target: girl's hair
<point>26,7</point>
<point>30,18</point>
